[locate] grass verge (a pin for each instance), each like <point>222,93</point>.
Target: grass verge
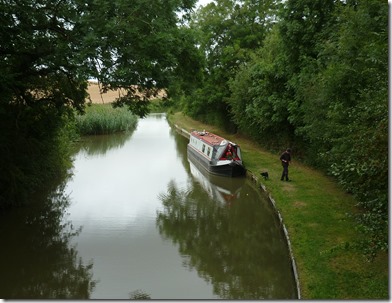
<point>315,211</point>
<point>104,119</point>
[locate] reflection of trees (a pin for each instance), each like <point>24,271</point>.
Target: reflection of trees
<point>139,295</point>
<point>36,259</point>
<point>242,255</point>
<point>157,116</point>
<point>100,144</point>
<point>181,143</point>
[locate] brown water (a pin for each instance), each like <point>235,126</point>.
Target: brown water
<point>137,220</point>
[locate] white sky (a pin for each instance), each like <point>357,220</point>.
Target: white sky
<point>203,2</point>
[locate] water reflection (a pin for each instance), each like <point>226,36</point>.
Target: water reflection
<point>222,189</point>
<point>36,258</point>
<point>135,195</point>
<point>139,295</point>
<point>101,144</point>
<point>114,198</point>
<point>237,247</point>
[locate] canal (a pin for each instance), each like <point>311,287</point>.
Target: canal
<point>138,221</point>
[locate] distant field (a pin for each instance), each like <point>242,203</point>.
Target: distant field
<point>110,96</point>
<point>97,97</point>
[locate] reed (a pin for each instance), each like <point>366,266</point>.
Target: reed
<point>104,119</point>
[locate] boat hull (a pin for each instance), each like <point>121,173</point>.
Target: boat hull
<point>230,169</point>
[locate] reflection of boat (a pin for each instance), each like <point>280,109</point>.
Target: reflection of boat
<point>215,154</point>
<point>219,188</point>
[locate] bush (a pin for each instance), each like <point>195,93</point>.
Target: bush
<point>35,150</point>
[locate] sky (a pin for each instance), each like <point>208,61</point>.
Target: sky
<point>203,2</point>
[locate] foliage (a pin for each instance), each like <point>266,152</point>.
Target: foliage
<point>316,81</point>
<point>38,86</point>
<point>189,72</point>
<point>104,119</point>
<point>228,32</point>
<point>259,100</point>
<point>33,151</point>
<point>50,48</point>
<point>139,44</point>
<point>353,90</point>
<point>39,260</point>
<point>314,209</point>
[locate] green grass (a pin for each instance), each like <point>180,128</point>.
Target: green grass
<point>104,119</point>
<point>314,209</point>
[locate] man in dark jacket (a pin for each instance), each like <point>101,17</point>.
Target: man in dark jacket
<point>285,158</point>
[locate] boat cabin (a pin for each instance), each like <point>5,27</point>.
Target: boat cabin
<point>216,152</point>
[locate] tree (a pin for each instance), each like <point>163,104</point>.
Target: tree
<point>229,31</point>
<point>52,44</point>
<point>322,80</point>
<point>259,97</point>
<point>51,48</point>
<point>355,83</point>
<point>139,46</point>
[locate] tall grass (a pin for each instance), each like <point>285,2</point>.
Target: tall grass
<point>104,119</point>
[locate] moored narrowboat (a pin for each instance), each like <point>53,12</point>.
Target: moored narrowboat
<point>216,154</point>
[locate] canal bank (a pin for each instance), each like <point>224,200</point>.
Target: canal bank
<point>252,176</point>
<point>315,210</point>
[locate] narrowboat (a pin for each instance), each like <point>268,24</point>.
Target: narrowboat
<point>215,154</point>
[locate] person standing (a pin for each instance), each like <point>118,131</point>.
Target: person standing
<point>285,158</point>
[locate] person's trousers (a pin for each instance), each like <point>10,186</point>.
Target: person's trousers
<point>285,173</point>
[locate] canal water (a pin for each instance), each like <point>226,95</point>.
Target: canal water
<point>137,220</point>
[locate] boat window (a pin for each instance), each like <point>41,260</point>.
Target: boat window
<point>220,151</point>
<point>208,151</point>
<point>203,148</point>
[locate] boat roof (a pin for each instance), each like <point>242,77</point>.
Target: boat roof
<point>210,138</point>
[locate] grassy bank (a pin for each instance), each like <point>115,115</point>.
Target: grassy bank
<point>104,119</point>
<point>314,209</point>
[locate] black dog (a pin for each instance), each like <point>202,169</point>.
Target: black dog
<point>265,175</point>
